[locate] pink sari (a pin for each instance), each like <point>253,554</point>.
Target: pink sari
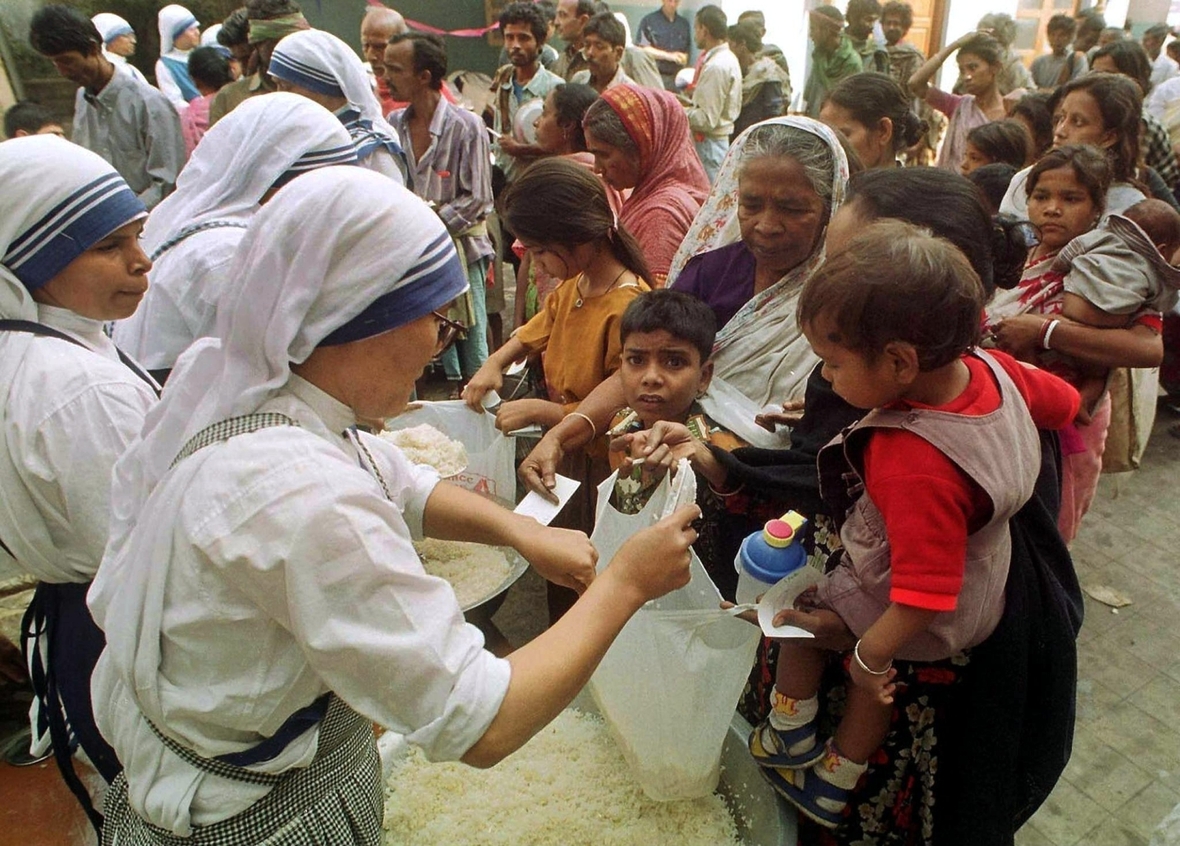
<point>673,185</point>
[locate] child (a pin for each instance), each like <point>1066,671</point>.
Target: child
<point>1001,141</point>
<point>560,213</point>
<point>667,339</point>
<point>947,454</point>
<point>29,118</point>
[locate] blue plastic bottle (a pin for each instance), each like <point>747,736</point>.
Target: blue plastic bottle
<point>769,555</point>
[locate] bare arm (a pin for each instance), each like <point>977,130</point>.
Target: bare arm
<point>919,83</point>
<point>877,648</point>
<point>490,376</point>
<point>548,672</point>
<point>1136,346</point>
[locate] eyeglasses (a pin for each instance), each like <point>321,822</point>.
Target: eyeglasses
<point>448,332</point>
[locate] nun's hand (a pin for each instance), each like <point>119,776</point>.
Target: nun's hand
<point>563,556</point>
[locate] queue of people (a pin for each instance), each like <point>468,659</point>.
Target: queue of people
<point>772,297</point>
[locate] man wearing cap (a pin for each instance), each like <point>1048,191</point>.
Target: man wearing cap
<point>268,21</point>
<point>1162,67</point>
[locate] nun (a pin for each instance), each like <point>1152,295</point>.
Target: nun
<point>179,34</point>
<point>118,42</point>
<point>321,67</point>
<point>262,602</point>
<point>191,237</point>
<point>70,260</point>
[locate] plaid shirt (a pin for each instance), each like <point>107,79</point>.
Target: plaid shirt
<point>1158,152</point>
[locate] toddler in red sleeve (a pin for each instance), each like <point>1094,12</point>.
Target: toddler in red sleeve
<point>946,454</point>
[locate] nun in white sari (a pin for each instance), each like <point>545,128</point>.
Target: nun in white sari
<point>323,68</point>
<point>69,260</point>
<point>179,34</point>
<point>262,603</point>
<point>192,235</point>
<point>760,355</point>
<point>118,41</point>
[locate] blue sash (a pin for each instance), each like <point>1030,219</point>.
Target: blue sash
<point>179,70</point>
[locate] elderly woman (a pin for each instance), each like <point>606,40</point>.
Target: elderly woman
<point>756,240</point>
<point>640,141</point>
<point>262,602</point>
<point>322,68</point>
<point>191,236</point>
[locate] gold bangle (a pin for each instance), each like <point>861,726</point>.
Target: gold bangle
<point>586,417</point>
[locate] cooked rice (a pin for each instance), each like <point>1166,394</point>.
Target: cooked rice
<point>427,445</point>
<point>568,786</point>
<point>474,570</point>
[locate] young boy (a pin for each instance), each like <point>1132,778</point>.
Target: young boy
<point>946,454</point>
<point>667,340</point>
<point>1062,65</point>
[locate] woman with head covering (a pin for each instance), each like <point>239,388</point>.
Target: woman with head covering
<point>179,34</point>
<point>252,512</point>
<point>321,67</point>
<point>69,260</point>
<point>640,140</point>
<point>118,41</point>
<point>192,235</point>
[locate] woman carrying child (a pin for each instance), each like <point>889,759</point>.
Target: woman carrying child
<point>1066,194</point>
<point>926,545</point>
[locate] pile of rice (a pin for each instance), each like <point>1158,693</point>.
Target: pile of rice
<point>427,445</point>
<point>567,786</point>
<point>474,570</point>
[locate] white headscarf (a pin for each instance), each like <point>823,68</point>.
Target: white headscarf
<point>61,199</point>
<point>111,26</point>
<point>329,248</point>
<point>242,156</point>
<point>760,356</point>
<point>321,62</point>
<point>209,37</point>
<point>172,21</point>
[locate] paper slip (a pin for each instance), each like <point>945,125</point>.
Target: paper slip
<point>531,431</point>
<point>782,595</point>
<point>516,367</point>
<point>542,510</point>
<point>490,400</point>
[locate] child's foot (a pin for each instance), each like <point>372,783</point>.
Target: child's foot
<point>792,749</point>
<point>822,792</point>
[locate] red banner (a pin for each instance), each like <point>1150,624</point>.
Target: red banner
<point>457,33</point>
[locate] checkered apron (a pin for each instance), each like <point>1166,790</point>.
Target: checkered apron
<point>337,799</point>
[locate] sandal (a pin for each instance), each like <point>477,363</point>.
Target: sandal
<point>769,746</point>
<point>806,798</point>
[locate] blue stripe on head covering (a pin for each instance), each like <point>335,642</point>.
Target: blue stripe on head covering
<point>283,66</point>
<point>185,24</point>
<point>122,29</point>
<point>313,159</point>
<point>71,228</point>
<point>434,281</point>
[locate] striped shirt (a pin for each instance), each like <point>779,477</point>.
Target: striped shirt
<point>454,172</point>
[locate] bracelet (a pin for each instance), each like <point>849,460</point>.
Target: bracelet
<point>1047,332</point>
<point>856,657</point>
<point>727,494</point>
<point>586,417</point>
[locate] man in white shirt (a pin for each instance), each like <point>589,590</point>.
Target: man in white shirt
<point>717,96</point>
<point>603,43</point>
<point>1162,68</point>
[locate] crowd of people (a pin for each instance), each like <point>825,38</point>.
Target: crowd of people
<point>926,320</point>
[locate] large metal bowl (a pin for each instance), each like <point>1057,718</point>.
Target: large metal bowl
<point>481,611</point>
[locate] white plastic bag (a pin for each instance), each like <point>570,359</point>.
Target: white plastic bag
<point>669,685</point>
<point>491,457</point>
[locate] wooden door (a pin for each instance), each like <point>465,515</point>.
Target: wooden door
<point>929,19</point>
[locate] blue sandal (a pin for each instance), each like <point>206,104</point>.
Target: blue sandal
<point>769,746</point>
<point>805,798</point>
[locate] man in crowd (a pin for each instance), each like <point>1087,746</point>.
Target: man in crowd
<point>267,22</point>
<point>1062,64</point>
<point>29,118</point>
<point>234,35</point>
<point>1162,68</point>
<point>717,95</point>
<point>757,20</point>
<point>131,125</point>
<point>1014,74</point>
<point>665,36</point>
<point>378,27</point>
<point>833,58</point>
<point>862,15</point>
<point>520,81</point>
<point>766,88</point>
<point>1090,26</point>
<point>904,59</point>
<point>570,21</point>
<point>447,153</point>
<point>603,43</point>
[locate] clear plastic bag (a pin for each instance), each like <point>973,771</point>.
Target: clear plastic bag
<point>669,685</point>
